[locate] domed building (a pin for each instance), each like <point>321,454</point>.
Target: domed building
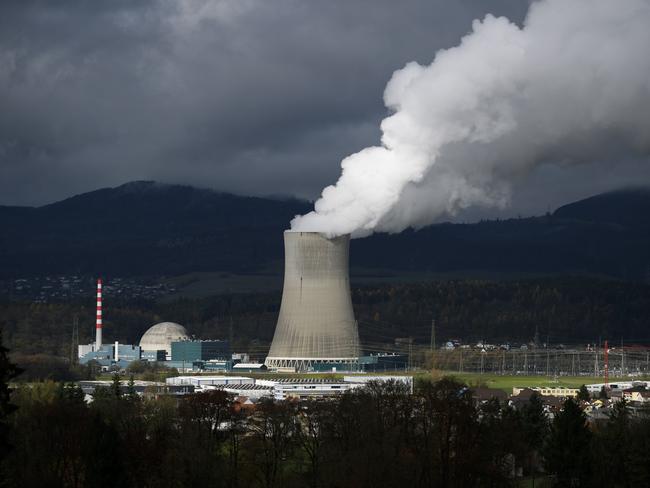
<point>160,337</point>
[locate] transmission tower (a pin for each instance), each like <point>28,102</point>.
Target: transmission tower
<point>433,343</point>
<point>606,364</point>
<point>433,334</point>
<point>74,345</point>
<point>573,364</point>
<point>230,334</point>
<point>622,358</point>
<point>526,363</point>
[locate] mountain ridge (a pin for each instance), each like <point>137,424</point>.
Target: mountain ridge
<point>150,228</point>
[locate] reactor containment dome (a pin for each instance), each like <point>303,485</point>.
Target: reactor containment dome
<point>160,337</point>
<point>316,323</point>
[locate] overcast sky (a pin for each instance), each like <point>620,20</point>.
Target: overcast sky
<point>251,97</point>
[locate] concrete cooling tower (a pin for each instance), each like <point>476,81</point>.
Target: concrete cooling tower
<point>316,324</point>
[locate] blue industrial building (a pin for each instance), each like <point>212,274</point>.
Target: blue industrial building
<point>213,365</point>
<point>384,362</point>
<point>372,363</point>
<point>109,355</point>
<point>186,355</point>
<point>189,351</point>
<point>159,355</point>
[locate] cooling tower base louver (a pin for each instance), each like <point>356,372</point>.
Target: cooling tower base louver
<point>309,364</point>
<point>316,323</point>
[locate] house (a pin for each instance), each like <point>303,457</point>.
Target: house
<point>555,391</point>
<point>483,394</point>
<point>636,394</point>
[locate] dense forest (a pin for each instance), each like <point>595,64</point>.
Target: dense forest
<point>380,435</point>
<point>150,229</point>
<point>561,311</point>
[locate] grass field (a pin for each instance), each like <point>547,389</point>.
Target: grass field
<point>506,382</point>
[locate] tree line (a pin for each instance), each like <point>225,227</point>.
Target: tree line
<point>380,435</point>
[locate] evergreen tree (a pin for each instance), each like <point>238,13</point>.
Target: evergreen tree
<point>74,393</point>
<point>116,389</point>
<point>639,450</point>
<point>102,393</point>
<point>616,442</point>
<point>583,394</point>
<point>567,451</point>
<point>535,429</point>
<point>8,371</point>
<point>130,389</point>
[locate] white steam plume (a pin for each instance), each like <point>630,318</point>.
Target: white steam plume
<point>573,81</point>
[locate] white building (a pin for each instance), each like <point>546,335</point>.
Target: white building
<point>202,381</point>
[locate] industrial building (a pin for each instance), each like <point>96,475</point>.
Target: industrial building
<point>109,355</point>
<point>365,379</point>
<point>140,387</point>
<point>95,347</point>
<point>284,388</point>
<point>202,381</point>
<point>309,389</point>
<point>316,324</point>
<point>156,345</point>
<point>187,350</point>
<point>106,355</point>
<point>159,337</point>
<point>378,362</point>
<point>249,367</point>
<point>153,355</point>
<point>595,388</point>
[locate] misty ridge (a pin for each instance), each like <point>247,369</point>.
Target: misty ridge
<point>151,229</point>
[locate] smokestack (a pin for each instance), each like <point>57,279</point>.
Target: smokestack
<point>316,322</point>
<point>98,322</point>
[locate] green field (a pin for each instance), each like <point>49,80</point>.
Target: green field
<point>506,383</point>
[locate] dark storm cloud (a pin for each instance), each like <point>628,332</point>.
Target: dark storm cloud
<point>248,96</point>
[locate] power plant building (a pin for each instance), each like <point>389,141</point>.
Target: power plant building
<point>166,342</point>
<point>316,323</point>
<point>117,354</point>
<point>160,337</point>
<point>200,350</point>
<point>106,355</point>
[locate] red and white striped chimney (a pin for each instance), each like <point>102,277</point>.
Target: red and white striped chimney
<point>98,323</point>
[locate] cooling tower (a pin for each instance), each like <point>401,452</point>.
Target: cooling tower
<point>316,322</point>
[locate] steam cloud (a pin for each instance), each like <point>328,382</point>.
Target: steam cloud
<point>483,114</point>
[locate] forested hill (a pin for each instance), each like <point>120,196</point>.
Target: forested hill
<point>144,228</point>
<point>630,208</point>
<point>147,228</point>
